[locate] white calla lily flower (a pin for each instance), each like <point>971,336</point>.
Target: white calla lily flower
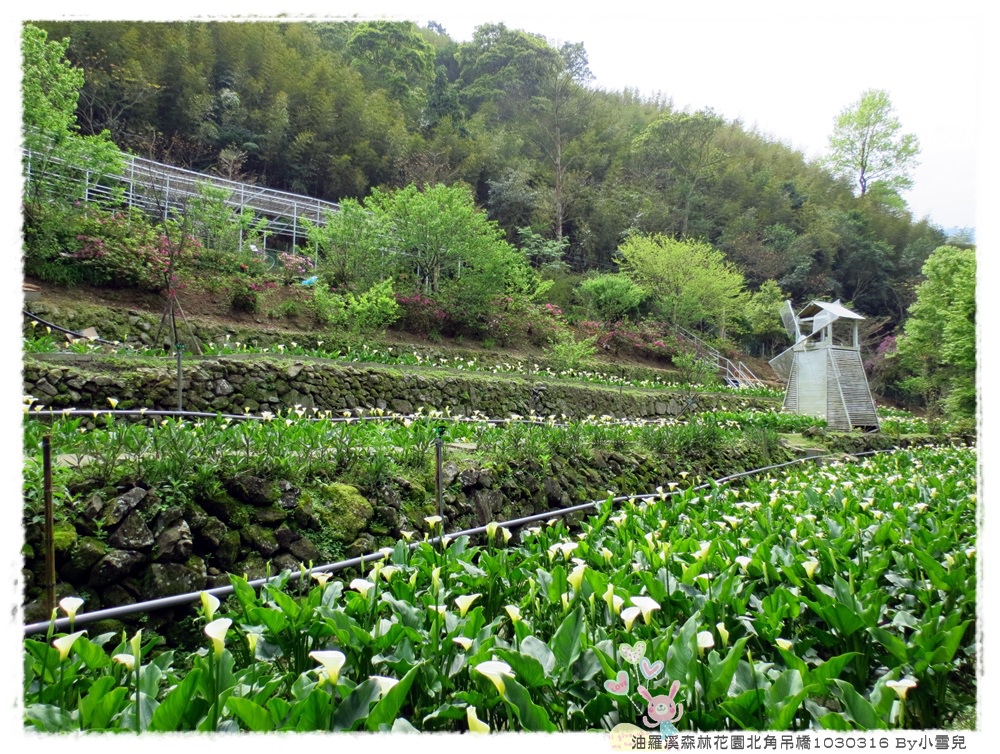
<point>65,643</point>
<point>332,661</point>
<point>495,670</point>
<point>647,605</point>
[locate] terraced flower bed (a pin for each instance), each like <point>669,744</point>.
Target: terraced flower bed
<point>837,596</point>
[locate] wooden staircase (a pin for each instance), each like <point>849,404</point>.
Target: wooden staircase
<point>733,374</point>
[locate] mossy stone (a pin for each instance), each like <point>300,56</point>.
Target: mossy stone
<point>64,537</point>
<point>342,511</point>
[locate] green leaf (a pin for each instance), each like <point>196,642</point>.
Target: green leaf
<point>531,716</point>
<point>389,705</point>
<point>288,606</point>
<point>830,670</point>
<point>279,710</point>
<point>895,645</point>
<point>256,718</point>
<point>93,656</point>
<point>410,615</point>
<point>48,719</point>
<point>743,709</point>
<point>681,654</point>
<point>402,725</point>
<point>833,721</point>
<point>723,672</point>
<point>565,645</point>
<point>169,715</point>
<point>312,713</point>
<point>355,706</point>
<point>539,650</point>
<point>526,667</point>
<point>244,593</point>
<point>948,644</point>
<point>859,710</point>
<point>101,703</point>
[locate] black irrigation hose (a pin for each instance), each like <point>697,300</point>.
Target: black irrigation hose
<point>52,413</point>
<point>38,319</point>
<point>183,599</point>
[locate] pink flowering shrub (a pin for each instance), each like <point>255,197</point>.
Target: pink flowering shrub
<point>127,252</point>
<point>420,314</point>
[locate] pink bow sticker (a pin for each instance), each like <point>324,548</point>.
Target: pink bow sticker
<point>651,669</point>
<point>619,687</point>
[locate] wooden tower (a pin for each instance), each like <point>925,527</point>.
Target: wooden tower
<point>823,368</point>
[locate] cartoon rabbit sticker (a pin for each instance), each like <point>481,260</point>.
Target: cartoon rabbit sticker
<point>662,710</point>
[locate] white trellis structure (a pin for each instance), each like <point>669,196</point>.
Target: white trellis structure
<point>160,189</point>
<point>823,369</point>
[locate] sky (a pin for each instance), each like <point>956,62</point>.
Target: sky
<point>784,68</point>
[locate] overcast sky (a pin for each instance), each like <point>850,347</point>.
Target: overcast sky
<point>784,68</point>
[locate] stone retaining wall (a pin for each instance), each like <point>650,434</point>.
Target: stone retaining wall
<point>236,384</point>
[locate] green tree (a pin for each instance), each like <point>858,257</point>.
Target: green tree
<point>394,56</point>
<point>867,146</point>
<point>50,88</point>
<point>613,297</point>
<point>938,345</point>
<point>689,281</point>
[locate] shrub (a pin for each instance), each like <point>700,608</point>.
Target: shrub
<point>567,353</point>
<point>613,297</point>
<point>420,314</point>
<point>366,314</point>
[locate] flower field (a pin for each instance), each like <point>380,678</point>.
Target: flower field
<point>839,596</point>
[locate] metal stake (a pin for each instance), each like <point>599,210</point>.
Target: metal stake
<point>50,525</point>
<point>180,378</point>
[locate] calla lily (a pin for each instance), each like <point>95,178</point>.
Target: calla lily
<point>810,567</point>
<point>723,633</point>
<point>465,602</point>
<point>322,578</point>
<point>433,521</point>
<point>629,614</point>
<point>332,661</point>
<point>705,547</point>
<point>514,612</point>
<point>491,530</point>
<point>388,571</point>
<point>495,670</point>
<point>705,641</point>
<point>113,402</point>
<point>647,605</point>
<point>65,643</point>
<point>407,535</point>
<point>384,683</point>
<point>744,562</point>
<point>125,659</point>
<point>607,554</point>
<point>784,644</point>
<point>475,724</point>
<point>575,577</point>
<point>901,686</point>
<point>136,643</point>
<point>211,603</point>
<point>362,585</point>
<point>216,631</point>
<point>506,539</point>
<point>252,639</point>
<point>70,605</point>
<point>463,641</point>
